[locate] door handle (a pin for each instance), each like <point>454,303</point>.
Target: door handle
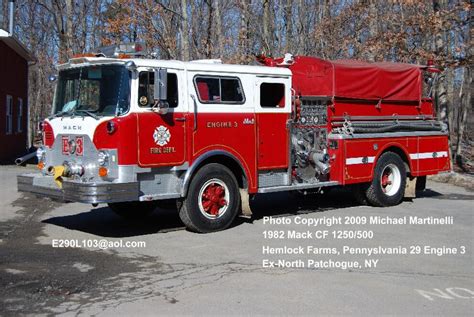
<point>180,119</point>
<point>195,112</point>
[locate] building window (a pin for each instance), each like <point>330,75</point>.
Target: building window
<point>218,89</point>
<point>9,109</point>
<point>19,126</point>
<point>146,89</point>
<point>272,95</point>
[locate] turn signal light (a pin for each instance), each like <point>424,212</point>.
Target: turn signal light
<point>40,165</point>
<point>103,171</point>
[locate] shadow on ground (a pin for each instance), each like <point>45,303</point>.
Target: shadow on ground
<point>452,196</point>
<point>104,222</point>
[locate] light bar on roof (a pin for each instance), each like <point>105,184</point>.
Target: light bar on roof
<point>131,49</point>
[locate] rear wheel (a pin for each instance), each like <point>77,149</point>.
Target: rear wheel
<point>133,209</point>
<point>213,200</point>
<point>388,185</point>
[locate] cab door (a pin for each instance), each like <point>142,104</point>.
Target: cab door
<point>161,138</point>
<point>273,108</point>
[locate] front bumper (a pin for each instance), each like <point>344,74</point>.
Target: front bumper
<point>93,192</point>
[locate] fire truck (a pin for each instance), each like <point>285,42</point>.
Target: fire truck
<point>137,132</point>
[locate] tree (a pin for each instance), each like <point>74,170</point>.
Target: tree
<point>394,30</point>
<point>244,32</point>
<point>184,31</point>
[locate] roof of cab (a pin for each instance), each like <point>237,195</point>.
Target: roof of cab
<point>200,65</point>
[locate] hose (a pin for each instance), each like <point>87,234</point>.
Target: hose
<point>371,128</point>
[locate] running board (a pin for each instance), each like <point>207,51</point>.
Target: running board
<point>295,187</point>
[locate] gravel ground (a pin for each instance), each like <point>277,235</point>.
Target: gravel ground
<point>223,273</point>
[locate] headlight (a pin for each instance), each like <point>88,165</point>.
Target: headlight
<point>41,154</point>
<point>103,158</point>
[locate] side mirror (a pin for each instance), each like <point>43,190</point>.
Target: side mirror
<point>162,107</point>
<point>160,89</point>
<point>160,86</point>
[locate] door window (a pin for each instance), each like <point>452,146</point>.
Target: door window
<point>272,95</point>
<point>146,89</point>
<point>218,89</point>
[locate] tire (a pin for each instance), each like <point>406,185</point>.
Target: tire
<point>133,210</point>
<point>359,193</point>
<point>388,185</point>
<point>213,200</point>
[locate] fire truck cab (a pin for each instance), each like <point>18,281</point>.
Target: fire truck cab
<point>136,132</point>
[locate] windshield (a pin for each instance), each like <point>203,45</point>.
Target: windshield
<point>93,90</point>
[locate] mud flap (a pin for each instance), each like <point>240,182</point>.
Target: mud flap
<point>410,188</point>
<point>245,203</point>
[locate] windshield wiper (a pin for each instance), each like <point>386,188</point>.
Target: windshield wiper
<point>74,112</point>
<point>57,114</point>
<point>87,112</point>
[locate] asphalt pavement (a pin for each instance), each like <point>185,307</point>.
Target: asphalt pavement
<point>298,255</point>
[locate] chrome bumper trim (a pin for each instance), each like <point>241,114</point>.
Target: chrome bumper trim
<point>96,192</point>
<point>25,184</point>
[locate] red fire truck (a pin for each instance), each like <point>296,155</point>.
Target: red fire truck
<point>135,132</point>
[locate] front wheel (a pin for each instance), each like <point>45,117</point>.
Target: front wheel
<point>213,200</point>
<point>388,185</point>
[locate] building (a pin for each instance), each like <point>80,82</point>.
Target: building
<point>14,60</point>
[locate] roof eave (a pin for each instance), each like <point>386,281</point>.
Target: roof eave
<point>17,46</point>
